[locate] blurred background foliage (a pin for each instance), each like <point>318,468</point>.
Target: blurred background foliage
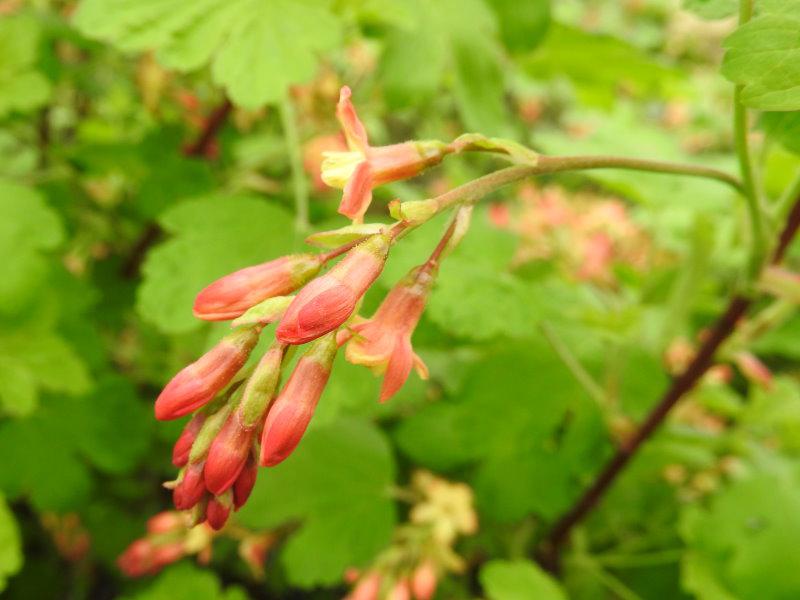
<point>113,216</point>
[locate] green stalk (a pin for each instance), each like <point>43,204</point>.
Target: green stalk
<point>743,154</point>
<point>292,136</point>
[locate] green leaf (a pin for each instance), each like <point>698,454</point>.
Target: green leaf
<point>519,580</point>
<point>185,581</point>
<point>505,420</point>
<point>712,9</point>
<point>110,429</point>
<point>22,88</point>
<point>29,229</point>
<point>479,85</point>
<point>36,359</point>
<point>523,25</point>
<point>566,50</point>
<point>10,544</point>
<point>256,49</point>
<point>211,236</point>
<point>746,538</point>
<point>763,56</point>
<point>784,127</point>
<point>336,485</point>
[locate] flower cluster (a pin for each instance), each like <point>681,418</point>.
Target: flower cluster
<point>241,416</point>
<point>422,549</point>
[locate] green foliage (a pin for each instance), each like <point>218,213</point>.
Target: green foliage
<point>519,580</point>
<point>212,236</point>
<point>336,487</point>
<point>741,545</point>
<point>255,49</point>
<point>186,582</point>
<point>22,87</point>
<point>762,54</point>
<point>551,330</point>
<point>10,545</point>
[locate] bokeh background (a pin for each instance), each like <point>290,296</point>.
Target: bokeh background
<point>148,147</point>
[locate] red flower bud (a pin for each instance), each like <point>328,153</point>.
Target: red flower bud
<point>368,588</point>
<point>424,580</point>
<point>228,454</point>
<point>232,295</point>
<point>166,521</point>
<point>136,561</point>
<point>190,488</point>
<point>328,301</point>
<point>182,447</point>
<point>196,384</point>
<point>218,510</point>
<point>244,483</point>
<point>291,413</point>
<point>400,591</point>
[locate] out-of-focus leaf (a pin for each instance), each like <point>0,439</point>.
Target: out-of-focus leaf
<point>522,24</point>
<point>336,486</point>
<point>212,236</point>
<point>10,544</point>
<point>712,9</point>
<point>746,539</point>
<point>22,87</point>
<point>784,127</point>
<point>110,429</point>
<point>762,55</point>
<point>505,420</point>
<point>185,581</point>
<point>256,49</point>
<point>478,87</point>
<point>28,230</point>
<point>614,63</point>
<point>519,580</point>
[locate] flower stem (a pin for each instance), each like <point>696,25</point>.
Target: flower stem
<point>741,139</point>
<point>292,136</point>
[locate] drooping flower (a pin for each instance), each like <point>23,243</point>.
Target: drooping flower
<point>383,342</point>
<point>290,414</point>
<point>231,295</point>
<point>364,167</point>
<point>368,588</point>
<point>328,301</point>
<point>218,510</point>
<point>196,384</point>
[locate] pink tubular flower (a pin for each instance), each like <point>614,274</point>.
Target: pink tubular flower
<point>400,591</point>
<point>364,167</point>
<point>292,410</point>
<point>165,521</point>
<point>383,342</point>
<point>230,296</point>
<point>328,301</point>
<point>196,384</point>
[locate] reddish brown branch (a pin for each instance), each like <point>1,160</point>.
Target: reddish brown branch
<point>722,329</point>
<point>204,144</point>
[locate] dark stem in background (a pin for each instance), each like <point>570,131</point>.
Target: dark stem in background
<point>725,325</point>
<point>199,148</point>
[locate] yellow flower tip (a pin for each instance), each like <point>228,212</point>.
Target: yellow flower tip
<point>338,167</point>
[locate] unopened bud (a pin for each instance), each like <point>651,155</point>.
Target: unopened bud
<point>218,510</point>
<point>414,210</point>
<point>198,383</point>
<point>232,295</point>
<point>244,484</point>
<point>180,452</point>
<point>291,412</point>
<point>328,301</point>
<point>264,313</point>
<point>344,235</point>
<point>424,580</point>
